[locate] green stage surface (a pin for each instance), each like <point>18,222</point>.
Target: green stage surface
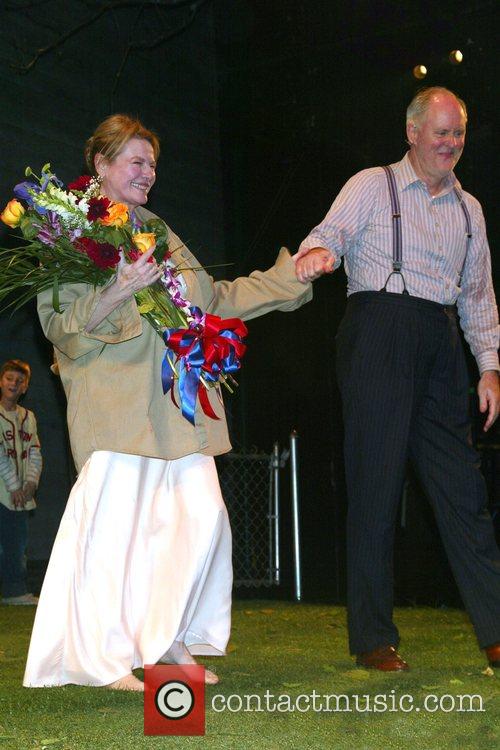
<point>288,650</point>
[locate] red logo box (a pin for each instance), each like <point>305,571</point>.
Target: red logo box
<point>174,699</point>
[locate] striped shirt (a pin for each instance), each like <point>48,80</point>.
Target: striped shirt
<point>439,262</point>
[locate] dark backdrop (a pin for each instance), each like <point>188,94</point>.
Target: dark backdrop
<point>264,110</point>
<point>311,92</point>
<point>156,61</point>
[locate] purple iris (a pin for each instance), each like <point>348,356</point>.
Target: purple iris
<point>21,191</point>
<point>73,234</point>
<point>51,230</point>
<point>50,178</point>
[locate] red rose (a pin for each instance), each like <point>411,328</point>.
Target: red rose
<point>134,254</point>
<point>98,208</point>
<point>81,183</point>
<point>103,254</point>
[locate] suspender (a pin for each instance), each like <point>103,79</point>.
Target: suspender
<point>468,223</point>
<point>397,242</point>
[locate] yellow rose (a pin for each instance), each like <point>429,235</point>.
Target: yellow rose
<point>117,215</point>
<point>144,240</point>
<point>12,213</point>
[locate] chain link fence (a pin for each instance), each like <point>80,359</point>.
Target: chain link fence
<point>248,489</point>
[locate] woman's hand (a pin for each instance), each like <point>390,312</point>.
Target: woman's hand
<point>311,264</point>
<point>130,278</point>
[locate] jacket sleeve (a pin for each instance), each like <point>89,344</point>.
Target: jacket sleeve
<point>66,330</point>
<point>261,292</point>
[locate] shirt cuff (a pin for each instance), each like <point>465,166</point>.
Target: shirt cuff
<point>13,485</point>
<point>487,361</point>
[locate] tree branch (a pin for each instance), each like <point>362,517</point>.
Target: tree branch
<point>106,8</point>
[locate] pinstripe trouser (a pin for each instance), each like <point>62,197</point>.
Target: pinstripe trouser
<point>404,385</point>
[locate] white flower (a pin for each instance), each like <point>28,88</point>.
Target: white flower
<point>65,205</point>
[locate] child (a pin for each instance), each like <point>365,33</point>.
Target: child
<point>20,468</point>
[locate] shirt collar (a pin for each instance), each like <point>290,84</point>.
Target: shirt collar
<point>406,176</point>
<point>11,414</point>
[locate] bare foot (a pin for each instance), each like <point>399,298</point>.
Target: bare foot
<point>178,654</point>
<point>210,677</point>
<point>129,682</point>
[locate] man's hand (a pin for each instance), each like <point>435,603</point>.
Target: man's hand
<point>313,264</point>
<point>488,390</point>
<point>18,499</point>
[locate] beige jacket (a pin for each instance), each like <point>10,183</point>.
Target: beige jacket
<point>112,376</point>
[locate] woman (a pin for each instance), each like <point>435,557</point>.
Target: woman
<point>140,571</point>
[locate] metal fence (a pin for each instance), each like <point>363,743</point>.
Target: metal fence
<point>247,487</point>
<point>250,484</point>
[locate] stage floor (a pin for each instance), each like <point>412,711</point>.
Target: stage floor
<point>305,690</point>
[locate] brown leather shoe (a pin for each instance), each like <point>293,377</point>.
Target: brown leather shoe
<point>493,655</point>
<point>385,658</point>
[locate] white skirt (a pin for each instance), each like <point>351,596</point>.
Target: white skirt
<point>142,558</point>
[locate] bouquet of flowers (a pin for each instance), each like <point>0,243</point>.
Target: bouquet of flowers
<point>76,235</point>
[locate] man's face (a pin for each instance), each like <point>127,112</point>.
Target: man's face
<point>438,138</point>
<point>13,384</point>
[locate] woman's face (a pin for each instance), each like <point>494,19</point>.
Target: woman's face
<point>130,176</point>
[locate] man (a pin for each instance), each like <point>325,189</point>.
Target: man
<point>412,249</point>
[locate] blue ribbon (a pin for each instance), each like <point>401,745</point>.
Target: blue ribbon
<point>191,364</point>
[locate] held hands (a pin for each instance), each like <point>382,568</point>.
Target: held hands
<point>311,264</point>
<point>488,390</point>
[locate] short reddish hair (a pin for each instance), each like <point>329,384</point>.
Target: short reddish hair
<point>112,134</point>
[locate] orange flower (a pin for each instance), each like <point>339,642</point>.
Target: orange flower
<point>144,240</point>
<point>12,213</point>
<point>117,215</point>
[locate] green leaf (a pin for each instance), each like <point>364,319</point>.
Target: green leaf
<point>55,295</point>
<point>114,235</point>
<point>27,228</point>
<point>145,308</point>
